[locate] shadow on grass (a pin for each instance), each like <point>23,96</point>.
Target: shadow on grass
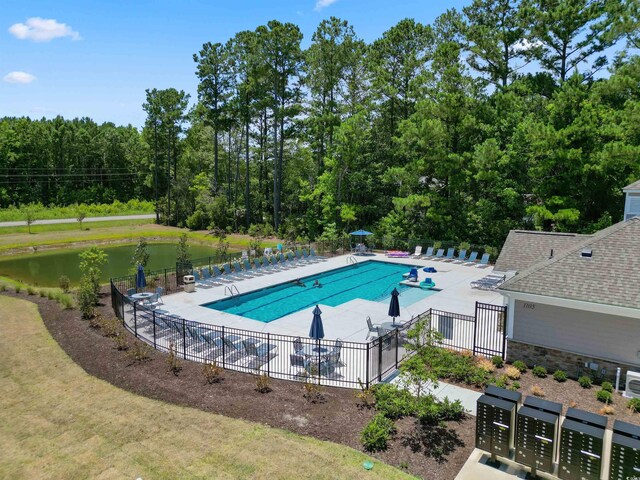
<point>435,441</point>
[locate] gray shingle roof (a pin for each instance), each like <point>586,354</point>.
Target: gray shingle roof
<point>633,186</point>
<point>524,248</point>
<point>611,276</point>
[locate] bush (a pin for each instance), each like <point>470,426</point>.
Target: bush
<point>262,383</point>
<point>604,396</point>
<point>120,339</point>
<point>377,433</point>
<point>539,371</point>
<point>486,365</point>
<point>560,376</point>
<point>512,372</point>
<point>18,288</point>
<point>634,405</point>
<point>520,365</point>
<point>140,351</point>
<point>173,364</point>
<point>584,381</point>
<point>460,367</point>
<point>212,372</point>
<point>3,287</point>
<point>537,391</point>
<point>64,283</point>
<point>366,395</point>
<point>497,361</point>
<point>451,410</point>
<point>313,391</point>
<point>502,381</point>
<point>607,410</point>
<point>607,387</point>
<point>514,387</point>
<point>43,293</point>
<point>31,291</point>
<point>393,402</point>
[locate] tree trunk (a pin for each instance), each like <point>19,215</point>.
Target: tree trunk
<point>246,182</point>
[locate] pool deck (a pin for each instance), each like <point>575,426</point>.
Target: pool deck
<point>346,321</point>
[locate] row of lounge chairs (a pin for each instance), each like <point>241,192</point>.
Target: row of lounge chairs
<point>450,256</point>
<point>243,268</point>
<point>489,282</point>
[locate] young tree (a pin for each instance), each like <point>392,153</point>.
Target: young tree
<point>140,255</point>
<point>29,214</point>
<point>182,250</point>
<point>81,214</point>
<point>91,262</point>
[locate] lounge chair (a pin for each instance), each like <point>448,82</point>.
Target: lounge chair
<point>484,261</point>
<point>284,261</point>
<point>247,268</point>
<point>429,253</point>
<point>449,255</point>
<point>240,271</point>
<point>439,254</point>
<point>259,355</point>
<point>222,276</point>
<point>462,256</point>
<point>258,266</point>
<point>418,251</point>
<point>472,258</point>
<point>314,257</point>
<point>233,349</point>
<point>266,266</point>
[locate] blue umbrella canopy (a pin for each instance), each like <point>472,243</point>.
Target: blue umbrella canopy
<point>394,306</point>
<point>317,330</point>
<point>362,233</point>
<point>141,281</point>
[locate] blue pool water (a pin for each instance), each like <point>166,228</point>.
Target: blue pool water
<point>370,280</point>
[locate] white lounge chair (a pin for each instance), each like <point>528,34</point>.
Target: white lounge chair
<point>418,251</point>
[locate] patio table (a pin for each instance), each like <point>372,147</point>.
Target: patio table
<point>314,351</point>
<point>142,297</point>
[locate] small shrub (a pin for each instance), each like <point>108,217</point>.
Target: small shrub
<point>520,365</point>
<point>262,383</point>
<point>66,301</point>
<point>634,405</point>
<point>313,391</point>
<point>607,410</point>
<point>486,365</point>
<point>392,401</point>
<point>604,396</point>
<point>212,372</point>
<point>377,433</point>
<point>51,295</point>
<point>502,381</point>
<point>365,395</point>
<point>18,288</point>
<point>3,287</point>
<point>173,364</point>
<point>140,351</point>
<point>497,361</point>
<point>514,387</point>
<point>560,376</point>
<point>512,372</point>
<point>109,326</point>
<point>607,387</point>
<point>584,381</point>
<point>64,283</point>
<point>42,293</point>
<point>121,339</point>
<point>537,391</point>
<point>451,410</point>
<point>539,371</point>
<point>31,291</point>
<point>573,404</point>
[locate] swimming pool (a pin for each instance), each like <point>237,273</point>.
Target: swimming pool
<point>371,280</point>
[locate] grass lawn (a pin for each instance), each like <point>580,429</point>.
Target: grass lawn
<point>56,421</point>
<point>104,232</point>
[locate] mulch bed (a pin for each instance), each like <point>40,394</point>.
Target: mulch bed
<point>436,454</point>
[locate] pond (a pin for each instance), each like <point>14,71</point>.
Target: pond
<point>44,269</point>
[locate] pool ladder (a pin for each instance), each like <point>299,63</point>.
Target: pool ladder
<point>351,260</point>
<point>230,289</point>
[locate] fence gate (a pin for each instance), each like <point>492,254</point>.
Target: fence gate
<point>490,333</point>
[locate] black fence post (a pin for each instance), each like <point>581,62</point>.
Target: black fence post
<point>268,367</point>
<point>224,354</point>
<point>368,344</point>
<point>504,332</point>
<point>153,317</point>
<point>184,339</point>
<point>475,328</point>
<point>379,359</point>
<point>135,320</point>
<point>397,346</point>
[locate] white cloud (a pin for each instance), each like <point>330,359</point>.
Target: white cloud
<point>19,77</point>
<point>320,4</point>
<point>43,30</point>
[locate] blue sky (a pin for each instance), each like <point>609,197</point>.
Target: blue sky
<point>96,58</point>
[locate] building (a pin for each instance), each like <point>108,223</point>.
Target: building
<point>574,303</point>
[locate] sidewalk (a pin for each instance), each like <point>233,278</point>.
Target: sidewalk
<point>53,221</point>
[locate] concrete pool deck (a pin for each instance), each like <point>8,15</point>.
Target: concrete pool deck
<point>346,321</point>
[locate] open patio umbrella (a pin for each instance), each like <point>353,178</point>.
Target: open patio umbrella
<point>141,281</point>
<point>361,233</point>
<point>394,306</point>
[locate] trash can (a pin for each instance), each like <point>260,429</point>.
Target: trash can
<point>189,282</point>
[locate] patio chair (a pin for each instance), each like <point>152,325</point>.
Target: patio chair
<point>439,254</point>
<point>131,291</point>
<point>329,364</point>
<point>449,255</point>
<point>484,261</point>
<point>418,251</point>
<point>429,253</point>
<point>462,255</point>
<point>472,258</point>
<point>299,363</point>
<point>372,328</point>
<point>297,345</point>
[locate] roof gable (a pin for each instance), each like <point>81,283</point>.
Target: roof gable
<point>633,186</point>
<point>611,276</point>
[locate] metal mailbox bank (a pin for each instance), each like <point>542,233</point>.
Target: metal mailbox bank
<point>581,445</point>
<point>536,434</point>
<point>625,451</point>
<point>495,421</point>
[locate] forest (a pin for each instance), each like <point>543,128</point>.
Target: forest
<point>506,114</point>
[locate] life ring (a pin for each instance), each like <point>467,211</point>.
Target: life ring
<point>427,285</point>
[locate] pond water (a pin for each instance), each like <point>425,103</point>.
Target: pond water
<point>44,269</point>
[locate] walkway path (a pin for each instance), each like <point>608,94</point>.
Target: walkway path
<point>53,221</point>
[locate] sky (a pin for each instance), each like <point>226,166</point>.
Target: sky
<point>87,58</point>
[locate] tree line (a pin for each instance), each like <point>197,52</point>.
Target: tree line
<point>507,114</point>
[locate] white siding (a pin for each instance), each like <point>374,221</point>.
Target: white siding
<point>607,337</point>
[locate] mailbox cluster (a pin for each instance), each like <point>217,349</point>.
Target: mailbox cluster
<point>530,433</point>
<point>625,451</point>
<point>581,445</point>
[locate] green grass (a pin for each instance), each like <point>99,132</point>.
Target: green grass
<point>132,207</point>
<point>56,421</point>
<point>69,227</point>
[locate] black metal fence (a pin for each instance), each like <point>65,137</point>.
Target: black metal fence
<point>327,362</point>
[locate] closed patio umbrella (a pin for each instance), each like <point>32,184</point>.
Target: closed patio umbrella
<point>394,306</point>
<point>141,281</point>
<point>317,330</point>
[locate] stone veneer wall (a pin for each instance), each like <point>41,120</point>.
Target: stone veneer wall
<point>572,363</point>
